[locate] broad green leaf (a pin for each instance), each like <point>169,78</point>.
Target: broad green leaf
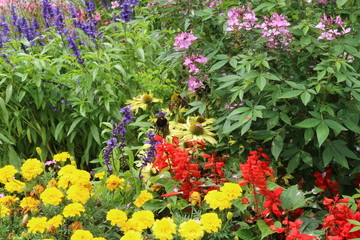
<point>9,91</point>
<point>327,156</point>
<point>340,3</point>
<point>339,158</point>
<point>218,65</point>
<point>322,132</point>
<point>308,135</point>
<point>261,82</point>
<point>351,125</point>
<point>309,225</point>
<point>291,94</point>
<point>309,123</point>
<point>334,125</point>
<point>305,97</point>
<point>285,118</point>
<point>292,198</point>
<point>264,228</point>
<point>307,158</point>
<point>293,163</point>
<point>277,146</point>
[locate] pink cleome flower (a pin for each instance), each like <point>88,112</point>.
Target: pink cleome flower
<point>331,27</point>
<point>241,18</point>
<point>184,40</point>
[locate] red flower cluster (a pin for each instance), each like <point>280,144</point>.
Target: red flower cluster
<point>255,171</point>
<point>336,222</point>
<point>291,230</point>
<point>322,181</point>
<point>184,167</point>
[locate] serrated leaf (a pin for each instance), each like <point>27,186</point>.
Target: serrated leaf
<point>309,123</point>
<point>322,132</point>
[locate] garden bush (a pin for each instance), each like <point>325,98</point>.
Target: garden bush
<point>174,119</point>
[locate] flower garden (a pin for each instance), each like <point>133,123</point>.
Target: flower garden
<point>178,119</point>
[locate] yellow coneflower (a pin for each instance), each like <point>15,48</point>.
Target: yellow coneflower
<point>142,101</point>
<point>193,131</point>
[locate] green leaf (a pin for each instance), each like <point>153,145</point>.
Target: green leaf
<point>309,225</point>
<point>154,205</point>
<point>73,125</point>
<point>261,82</point>
<point>339,158</point>
<point>292,198</point>
<point>9,90</point>
<point>305,97</point>
<point>58,129</point>
<point>291,94</point>
<point>354,229</point>
<point>353,222</point>
<point>95,133</point>
<point>5,139</point>
<point>335,125</point>
<point>293,163</point>
<point>340,3</point>
<point>351,126</point>
<point>308,135</point>
<point>264,228</point>
<point>218,65</point>
<point>277,146</point>
<point>327,156</point>
<point>309,123</point>
<point>246,127</point>
<point>322,132</point>
<point>285,118</point>
<point>307,158</point>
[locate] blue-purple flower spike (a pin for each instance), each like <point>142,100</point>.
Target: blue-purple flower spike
<point>150,154</point>
<point>119,130</point>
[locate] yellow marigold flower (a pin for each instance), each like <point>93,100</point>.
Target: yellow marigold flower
<point>56,221</point>
<point>80,177</point>
<point>142,220</point>
<point>210,222</point>
<point>217,199</point>
<point>37,224</point>
<point>114,182</point>
<point>142,198</point>
<point>32,168</point>
<point>52,196</point>
<point>116,217</point>
<point>30,203</point>
<point>232,190</point>
<point>195,198</point>
<point>73,209</point>
<point>132,235</point>
<point>8,200</point>
<point>61,157</point>
<point>164,229</point>
<point>142,101</point>
<point>99,238</point>
<point>65,175</point>
<point>4,211</point>
<point>82,235</point>
<point>78,193</point>
<point>191,230</point>
<point>100,175</point>
<point>15,186</point>
<point>7,173</point>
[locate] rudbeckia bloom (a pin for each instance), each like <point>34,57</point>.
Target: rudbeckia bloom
<point>142,101</point>
<point>194,131</point>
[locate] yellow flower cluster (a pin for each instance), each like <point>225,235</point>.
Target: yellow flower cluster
<point>132,235</point>
<point>31,168</point>
<point>61,157</point>
<point>4,211</point>
<point>191,230</point>
<point>222,199</point>
<point>52,196</point>
<point>73,209</point>
<point>116,217</point>
<point>210,222</point>
<point>7,173</point>
<point>139,221</point>
<point>114,182</point>
<point>29,203</point>
<point>15,186</point>
<point>142,198</point>
<point>164,229</point>
<point>37,224</point>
